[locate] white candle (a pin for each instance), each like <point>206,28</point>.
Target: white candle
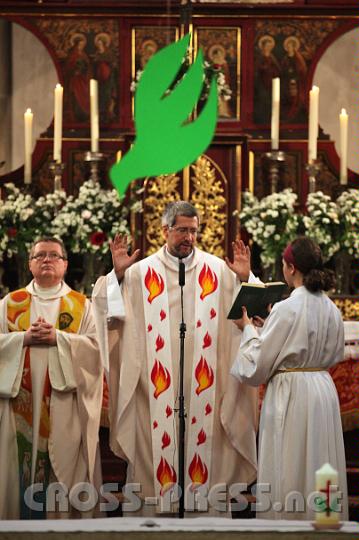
<point>313,123</point>
<point>343,118</point>
<point>59,91</point>
<point>94,115</point>
<point>326,484</point>
<point>275,113</point>
<point>28,117</point>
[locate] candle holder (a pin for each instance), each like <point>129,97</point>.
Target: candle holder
<point>94,158</point>
<point>56,169</point>
<point>313,168</point>
<point>275,159</point>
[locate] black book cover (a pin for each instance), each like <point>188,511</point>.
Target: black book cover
<point>256,297</point>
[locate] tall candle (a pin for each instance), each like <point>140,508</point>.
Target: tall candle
<point>313,123</point>
<point>275,113</point>
<point>343,118</point>
<point>326,504</point>
<point>28,118</point>
<point>251,172</point>
<point>58,95</point>
<point>94,115</point>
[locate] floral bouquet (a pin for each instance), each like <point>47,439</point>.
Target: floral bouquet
<point>272,223</point>
<point>322,223</point>
<point>24,219</point>
<point>87,222</point>
<point>348,208</point>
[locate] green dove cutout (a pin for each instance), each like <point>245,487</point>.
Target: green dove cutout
<point>166,141</point>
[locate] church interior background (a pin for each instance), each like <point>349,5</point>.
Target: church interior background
<point>247,44</point>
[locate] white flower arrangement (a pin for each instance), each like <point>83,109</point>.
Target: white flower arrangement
<point>348,210</point>
<point>322,223</point>
<point>271,221</point>
<point>24,219</point>
<point>87,222</point>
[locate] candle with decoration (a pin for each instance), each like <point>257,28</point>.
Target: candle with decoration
<point>327,506</point>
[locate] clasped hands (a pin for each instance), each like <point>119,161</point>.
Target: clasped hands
<point>40,333</point>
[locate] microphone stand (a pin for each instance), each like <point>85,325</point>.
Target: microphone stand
<point>182,415</point>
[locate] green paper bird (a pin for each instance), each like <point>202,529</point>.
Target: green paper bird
<point>166,141</point>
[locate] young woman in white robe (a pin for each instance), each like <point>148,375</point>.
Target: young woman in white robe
<point>300,426</point>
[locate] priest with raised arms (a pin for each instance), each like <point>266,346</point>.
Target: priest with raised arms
<point>50,391</point>
<point>138,313</point>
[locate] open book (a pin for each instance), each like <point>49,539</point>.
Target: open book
<point>256,297</point>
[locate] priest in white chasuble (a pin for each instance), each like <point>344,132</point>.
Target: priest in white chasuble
<point>138,306</point>
<point>50,390</point>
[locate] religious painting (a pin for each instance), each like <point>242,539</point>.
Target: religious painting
<point>146,41</point>
<point>86,49</point>
<point>221,50</point>
<point>285,49</point>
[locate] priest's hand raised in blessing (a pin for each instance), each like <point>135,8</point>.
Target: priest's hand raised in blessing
<point>40,333</point>
<point>241,264</point>
<point>120,258</point>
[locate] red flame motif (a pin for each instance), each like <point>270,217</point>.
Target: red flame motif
<point>166,439</point>
<point>213,313</point>
<point>160,378</point>
<point>208,281</point>
<point>199,323</point>
<point>154,284</point>
<point>162,315</point>
<point>166,475</point>
<point>155,424</point>
<point>194,420</point>
<point>149,328</point>
<point>201,437</point>
<point>204,376</point>
<point>168,411</point>
<point>160,342</point>
<point>198,470</point>
<point>208,409</point>
<point>207,341</point>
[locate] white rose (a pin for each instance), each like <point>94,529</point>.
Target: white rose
<point>86,214</point>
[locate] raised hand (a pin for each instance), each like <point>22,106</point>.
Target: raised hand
<point>241,264</point>
<point>120,258</point>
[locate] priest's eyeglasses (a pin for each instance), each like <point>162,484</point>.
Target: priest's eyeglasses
<point>184,231</point>
<point>52,256</point>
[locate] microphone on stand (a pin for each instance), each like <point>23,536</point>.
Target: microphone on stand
<point>181,410</point>
<point>181,274</point>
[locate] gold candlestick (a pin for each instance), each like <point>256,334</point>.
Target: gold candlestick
<point>56,169</point>
<point>275,159</point>
<point>313,168</point>
<point>94,158</point>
